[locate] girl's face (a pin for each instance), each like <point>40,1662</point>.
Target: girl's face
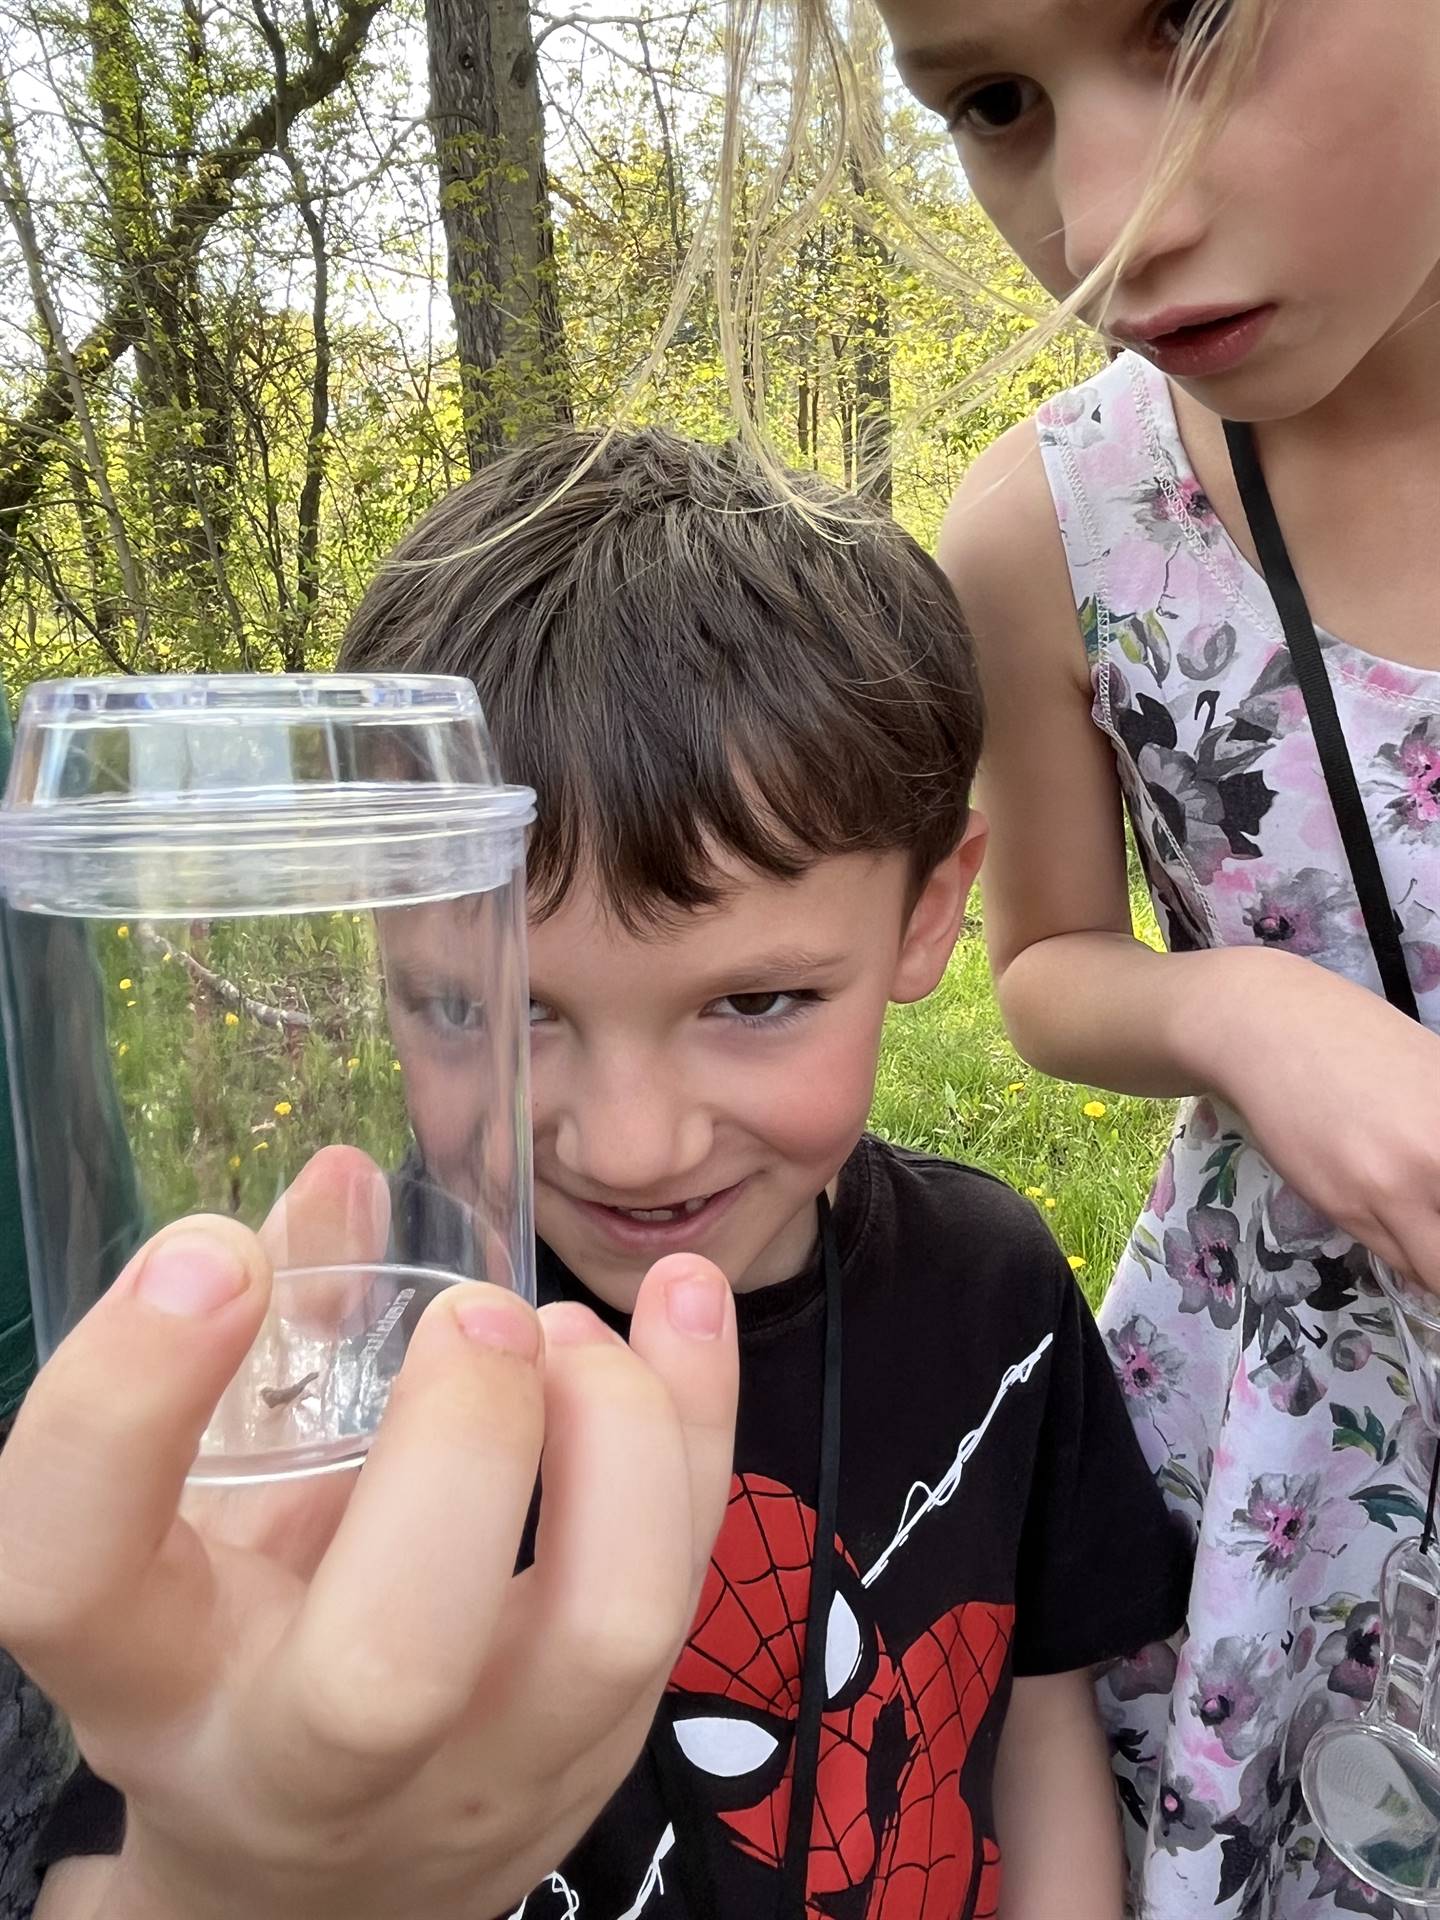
<point>1308,228</point>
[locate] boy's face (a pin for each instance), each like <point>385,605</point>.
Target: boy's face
<point>697,1087</point>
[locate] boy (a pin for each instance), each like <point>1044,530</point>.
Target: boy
<point>752,731</point>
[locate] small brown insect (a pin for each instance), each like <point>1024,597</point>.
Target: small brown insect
<point>282,1396</point>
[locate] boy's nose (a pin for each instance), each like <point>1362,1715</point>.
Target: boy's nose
<point>634,1137</point>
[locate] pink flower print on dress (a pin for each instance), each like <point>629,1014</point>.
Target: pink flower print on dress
<point>1278,1520</point>
<point>1146,1364</point>
<point>1415,811</point>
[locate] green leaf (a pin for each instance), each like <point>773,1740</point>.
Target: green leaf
<point>1388,1503</point>
<point>1351,1431</point>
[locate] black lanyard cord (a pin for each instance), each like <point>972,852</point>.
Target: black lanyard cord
<point>687,1860</point>
<point>1344,790</point>
<point>1314,683</point>
<point>794,1870</point>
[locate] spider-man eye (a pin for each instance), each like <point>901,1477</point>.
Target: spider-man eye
<point>850,1650</point>
<point>842,1646</point>
<point>741,1751</point>
<point>725,1746</point>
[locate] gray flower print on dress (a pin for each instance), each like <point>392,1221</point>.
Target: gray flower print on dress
<point>1203,1261</point>
<point>1230,1693</point>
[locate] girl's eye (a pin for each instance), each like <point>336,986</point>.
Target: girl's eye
<point>539,1013</point>
<point>769,1009</point>
<point>994,108</point>
<point>1179,20</point>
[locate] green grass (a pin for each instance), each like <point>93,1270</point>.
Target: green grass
<point>223,1111</point>
<point>951,1083</point>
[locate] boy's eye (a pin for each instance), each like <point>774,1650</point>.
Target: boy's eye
<point>770,1008</point>
<point>451,1013</point>
<point>994,108</point>
<point>539,1013</point>
<point>1181,19</point>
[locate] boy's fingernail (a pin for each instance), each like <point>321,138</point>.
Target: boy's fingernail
<point>190,1274</point>
<point>500,1323</point>
<point>695,1303</point>
<point>568,1324</point>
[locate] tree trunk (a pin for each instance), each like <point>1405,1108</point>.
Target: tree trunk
<point>873,425</point>
<point>495,203</point>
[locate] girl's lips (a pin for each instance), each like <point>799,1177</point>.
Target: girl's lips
<point>684,1234</point>
<point>1196,349</point>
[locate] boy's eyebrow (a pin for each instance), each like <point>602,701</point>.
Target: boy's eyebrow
<point>781,963</point>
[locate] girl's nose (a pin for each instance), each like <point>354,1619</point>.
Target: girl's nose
<point>1106,152</point>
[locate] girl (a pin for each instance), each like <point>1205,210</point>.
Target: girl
<point>1284,273</point>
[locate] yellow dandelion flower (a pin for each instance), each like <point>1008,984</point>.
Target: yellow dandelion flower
<point>166,957</point>
<point>282,1107</point>
<point>1095,1109</point>
<point>232,1019</point>
<point>1035,1193</point>
<point>123,1048</point>
<point>1016,1086</point>
<point>1077,1261</point>
<point>394,1066</point>
<point>132,1003</point>
<point>261,1146</point>
<point>125,985</point>
<point>354,919</point>
<point>122,933</point>
<point>352,1063</point>
<point>234,1161</point>
<point>1050,1205</point>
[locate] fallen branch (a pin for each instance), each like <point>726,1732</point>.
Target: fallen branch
<point>226,991</point>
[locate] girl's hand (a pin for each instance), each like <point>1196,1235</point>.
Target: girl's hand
<point>1342,1094</point>
<point>361,1712</point>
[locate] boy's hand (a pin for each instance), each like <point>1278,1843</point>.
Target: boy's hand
<point>363,1713</point>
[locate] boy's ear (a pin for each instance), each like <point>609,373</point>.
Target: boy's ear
<point>938,915</point>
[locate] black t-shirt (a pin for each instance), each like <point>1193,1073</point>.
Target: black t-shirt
<point>995,1518</point>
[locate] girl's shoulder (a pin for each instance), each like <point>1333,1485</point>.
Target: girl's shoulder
<point>1000,547</point>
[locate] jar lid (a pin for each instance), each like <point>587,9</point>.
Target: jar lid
<point>218,795</point>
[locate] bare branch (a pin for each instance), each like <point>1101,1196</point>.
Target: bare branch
<point>17,208</point>
<point>24,448</point>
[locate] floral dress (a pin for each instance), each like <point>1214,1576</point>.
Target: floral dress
<point>1256,1354</point>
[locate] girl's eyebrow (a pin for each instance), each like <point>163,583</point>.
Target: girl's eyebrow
<point>943,55</point>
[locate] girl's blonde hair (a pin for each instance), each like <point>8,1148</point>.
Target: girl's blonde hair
<point>1212,68</point>
<point>741,252</point>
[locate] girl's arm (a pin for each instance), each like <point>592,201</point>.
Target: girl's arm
<point>1056,1815</point>
<point>1341,1091</point>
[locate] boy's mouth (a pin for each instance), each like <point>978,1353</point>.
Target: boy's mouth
<point>682,1210</point>
<point>678,1226</point>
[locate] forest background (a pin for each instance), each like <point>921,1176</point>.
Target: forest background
<point>274,274</point>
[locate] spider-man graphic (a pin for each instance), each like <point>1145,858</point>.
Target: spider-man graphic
<point>893,1837</point>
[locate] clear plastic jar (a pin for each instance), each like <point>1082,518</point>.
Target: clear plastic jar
<point>265,956</point>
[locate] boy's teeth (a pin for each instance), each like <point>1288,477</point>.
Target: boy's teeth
<point>660,1215</point>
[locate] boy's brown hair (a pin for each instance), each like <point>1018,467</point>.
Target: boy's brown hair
<point>681,663</point>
